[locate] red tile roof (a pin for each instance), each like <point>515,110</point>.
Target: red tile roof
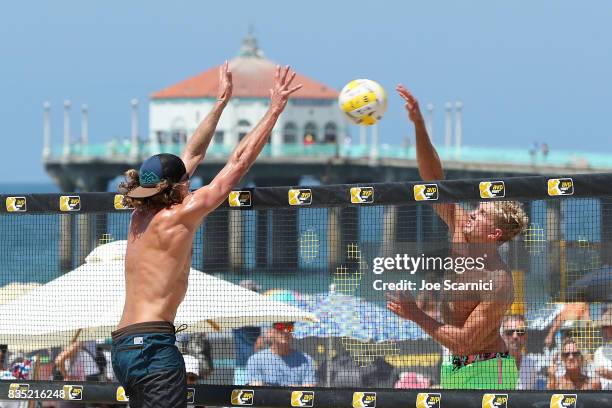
<point>253,77</point>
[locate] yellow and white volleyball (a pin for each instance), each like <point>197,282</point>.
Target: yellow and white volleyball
<point>363,101</point>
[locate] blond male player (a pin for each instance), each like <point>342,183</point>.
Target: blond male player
<point>472,318</point>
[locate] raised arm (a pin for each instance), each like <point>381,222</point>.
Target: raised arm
<point>196,147</point>
<point>206,199</point>
<point>428,161</point>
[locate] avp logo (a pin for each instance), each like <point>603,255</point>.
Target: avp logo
<point>302,196</point>
<point>302,398</point>
<point>120,395</point>
<point>16,204</point>
<point>364,399</point>
<point>239,199</point>
<point>242,397</point>
<point>563,401</point>
<point>492,189</point>
<point>425,192</point>
<point>73,392</point>
<point>362,195</point>
<point>495,401</point>
<point>190,395</point>
<point>70,203</point>
<point>428,400</point>
<point>118,203</point>
<point>560,187</point>
<point>18,390</point>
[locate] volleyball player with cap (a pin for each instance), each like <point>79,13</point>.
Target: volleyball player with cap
<point>163,225</point>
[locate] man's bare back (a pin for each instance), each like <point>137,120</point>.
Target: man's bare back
<point>157,266</point>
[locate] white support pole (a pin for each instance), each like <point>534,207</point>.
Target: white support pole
<point>134,148</point>
<point>448,135</point>
<point>66,151</point>
<point>47,130</point>
<point>374,149</point>
<point>429,126</point>
<point>84,125</point>
<point>458,124</point>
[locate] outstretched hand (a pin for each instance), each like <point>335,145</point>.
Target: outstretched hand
<point>225,84</point>
<point>402,304</point>
<point>279,95</point>
<point>411,105</point>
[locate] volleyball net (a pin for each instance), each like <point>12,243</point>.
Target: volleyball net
<point>287,300</point>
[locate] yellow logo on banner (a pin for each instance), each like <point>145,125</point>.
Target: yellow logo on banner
<point>120,395</point>
<point>73,392</point>
<point>425,192</point>
<point>242,397</point>
<point>560,187</point>
<point>18,390</point>
<point>362,195</point>
<point>492,189</point>
<point>428,400</point>
<point>563,401</point>
<point>302,196</point>
<point>495,401</point>
<point>70,203</point>
<point>16,204</point>
<point>302,398</point>
<point>190,395</point>
<point>118,203</point>
<point>239,199</point>
<point>364,399</point>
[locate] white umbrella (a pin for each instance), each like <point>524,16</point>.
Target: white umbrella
<point>91,298</point>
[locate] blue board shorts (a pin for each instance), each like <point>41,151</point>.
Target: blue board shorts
<point>149,366</point>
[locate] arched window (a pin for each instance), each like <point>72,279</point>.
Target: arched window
<point>178,131</point>
<point>290,133</point>
<point>244,127</point>
<point>310,133</point>
<point>331,132</point>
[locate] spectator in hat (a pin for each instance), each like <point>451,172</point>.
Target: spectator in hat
<point>602,359</point>
<point>247,341</point>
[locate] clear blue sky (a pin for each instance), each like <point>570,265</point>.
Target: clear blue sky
<point>525,70</point>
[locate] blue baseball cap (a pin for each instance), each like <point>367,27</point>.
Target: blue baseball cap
<point>154,170</point>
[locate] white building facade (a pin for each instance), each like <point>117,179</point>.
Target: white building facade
<point>312,115</point>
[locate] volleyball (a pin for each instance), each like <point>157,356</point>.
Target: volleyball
<point>363,101</point>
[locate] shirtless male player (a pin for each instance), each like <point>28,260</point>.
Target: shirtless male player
<point>163,225</point>
<point>472,319</point>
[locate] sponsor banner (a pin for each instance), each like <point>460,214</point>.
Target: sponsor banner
<point>70,203</point>
<point>492,189</point>
<point>242,397</point>
<point>302,399</point>
<point>428,400</point>
<point>364,400</point>
<point>560,187</point>
<point>16,204</point>
<point>362,195</point>
<point>425,192</point>
<point>239,199</point>
<point>301,196</point>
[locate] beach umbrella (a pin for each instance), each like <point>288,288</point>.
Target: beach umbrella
<point>91,298</point>
<point>342,315</point>
<point>15,290</point>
